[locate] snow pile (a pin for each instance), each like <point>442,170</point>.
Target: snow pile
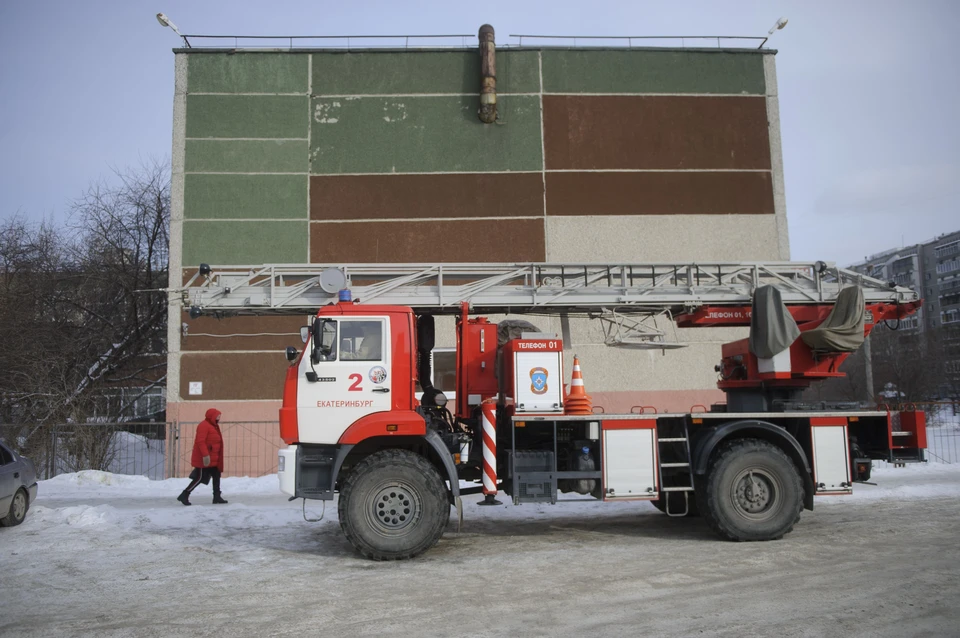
<point>91,498</point>
<point>135,454</point>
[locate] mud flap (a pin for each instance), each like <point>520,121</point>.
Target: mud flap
<point>459,514</point>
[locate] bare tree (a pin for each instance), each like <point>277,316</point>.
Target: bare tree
<point>81,307</point>
<point>124,259</point>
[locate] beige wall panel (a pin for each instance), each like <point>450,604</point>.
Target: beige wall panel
<point>590,332</point>
<point>662,238</point>
<point>607,369</point>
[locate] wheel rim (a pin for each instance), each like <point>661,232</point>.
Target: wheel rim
<point>19,506</point>
<point>756,494</point>
<point>394,509</point>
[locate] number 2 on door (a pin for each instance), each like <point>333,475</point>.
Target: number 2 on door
<point>356,378</point>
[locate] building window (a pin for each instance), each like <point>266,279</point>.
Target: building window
<point>948,266</point>
<point>443,372</point>
<point>947,249</point>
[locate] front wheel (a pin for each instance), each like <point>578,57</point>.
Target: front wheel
<point>753,492</point>
<point>18,510</point>
<point>393,505</point>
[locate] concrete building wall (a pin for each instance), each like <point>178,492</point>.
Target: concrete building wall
<point>597,155</point>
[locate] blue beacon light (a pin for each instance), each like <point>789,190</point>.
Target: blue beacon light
<point>345,295</point>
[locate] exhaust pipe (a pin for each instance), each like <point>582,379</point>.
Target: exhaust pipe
<point>488,76</point>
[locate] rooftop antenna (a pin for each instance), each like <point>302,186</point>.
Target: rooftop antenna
<point>167,22</point>
<point>778,25</point>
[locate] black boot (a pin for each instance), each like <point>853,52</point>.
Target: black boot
<point>184,497</point>
<point>219,500</point>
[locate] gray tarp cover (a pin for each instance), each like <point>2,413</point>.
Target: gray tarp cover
<point>772,328</point>
<point>842,330</point>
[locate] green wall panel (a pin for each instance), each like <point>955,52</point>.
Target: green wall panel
<point>248,73</point>
<point>208,196</point>
<point>245,242</point>
<point>652,72</point>
<point>247,156</point>
<point>420,72</point>
<point>255,116</point>
<point>423,134</point>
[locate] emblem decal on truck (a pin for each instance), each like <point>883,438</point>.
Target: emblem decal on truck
<point>378,374</point>
<point>538,380</point>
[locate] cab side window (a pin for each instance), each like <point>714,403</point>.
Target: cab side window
<point>361,340</point>
<point>5,456</point>
<point>328,340</point>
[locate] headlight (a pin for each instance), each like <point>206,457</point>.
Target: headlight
<point>281,462</point>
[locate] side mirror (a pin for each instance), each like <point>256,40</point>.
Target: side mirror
<point>315,333</point>
<point>304,333</point>
<point>292,354</point>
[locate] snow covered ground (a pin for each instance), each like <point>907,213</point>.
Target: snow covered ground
<point>111,555</point>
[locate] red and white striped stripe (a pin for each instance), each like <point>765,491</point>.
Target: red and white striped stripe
<point>489,416</point>
<point>577,380</point>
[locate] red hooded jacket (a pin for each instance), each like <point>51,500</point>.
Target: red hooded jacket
<point>209,442</point>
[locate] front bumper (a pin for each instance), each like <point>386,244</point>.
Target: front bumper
<point>287,470</point>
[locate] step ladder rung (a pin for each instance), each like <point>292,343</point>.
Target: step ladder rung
<point>676,489</point>
<point>673,440</point>
<point>674,465</point>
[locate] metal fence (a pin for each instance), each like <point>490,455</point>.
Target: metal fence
<point>120,448</point>
<point>943,430</point>
<point>250,448</point>
<point>163,450</point>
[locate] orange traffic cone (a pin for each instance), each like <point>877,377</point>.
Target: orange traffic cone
<point>577,401</point>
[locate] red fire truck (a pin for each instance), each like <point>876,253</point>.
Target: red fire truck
<point>355,427</point>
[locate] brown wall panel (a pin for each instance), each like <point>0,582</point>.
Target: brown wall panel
<point>655,132</point>
<point>228,375</point>
<point>682,193</point>
<point>437,241</point>
<point>422,196</point>
<point>242,333</point>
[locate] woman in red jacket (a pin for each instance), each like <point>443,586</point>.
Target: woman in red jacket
<point>207,458</point>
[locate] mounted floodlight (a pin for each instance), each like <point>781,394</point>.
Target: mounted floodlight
<point>205,270</point>
<point>782,22</point>
<point>820,267</point>
<point>779,24</point>
<point>167,22</point>
<point>195,312</point>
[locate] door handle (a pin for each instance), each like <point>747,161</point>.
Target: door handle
<point>16,475</point>
<point>381,390</point>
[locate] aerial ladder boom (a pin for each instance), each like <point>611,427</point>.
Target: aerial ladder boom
<point>681,288</point>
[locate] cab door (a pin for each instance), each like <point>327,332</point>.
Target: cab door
<point>351,380</point>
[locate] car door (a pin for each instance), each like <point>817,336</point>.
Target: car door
<point>9,483</point>
<point>352,379</point>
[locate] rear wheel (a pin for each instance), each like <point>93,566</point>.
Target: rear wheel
<point>18,510</point>
<point>752,492</point>
<point>393,505</point>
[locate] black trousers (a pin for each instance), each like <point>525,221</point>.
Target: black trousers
<point>204,475</point>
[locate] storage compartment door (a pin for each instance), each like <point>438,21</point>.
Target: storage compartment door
<point>831,457</point>
<point>629,465</point>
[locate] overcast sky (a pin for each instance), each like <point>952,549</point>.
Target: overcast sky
<point>868,93</point>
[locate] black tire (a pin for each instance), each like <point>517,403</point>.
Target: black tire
<point>753,492</point>
<point>393,505</point>
<point>676,504</point>
<point>18,509</point>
